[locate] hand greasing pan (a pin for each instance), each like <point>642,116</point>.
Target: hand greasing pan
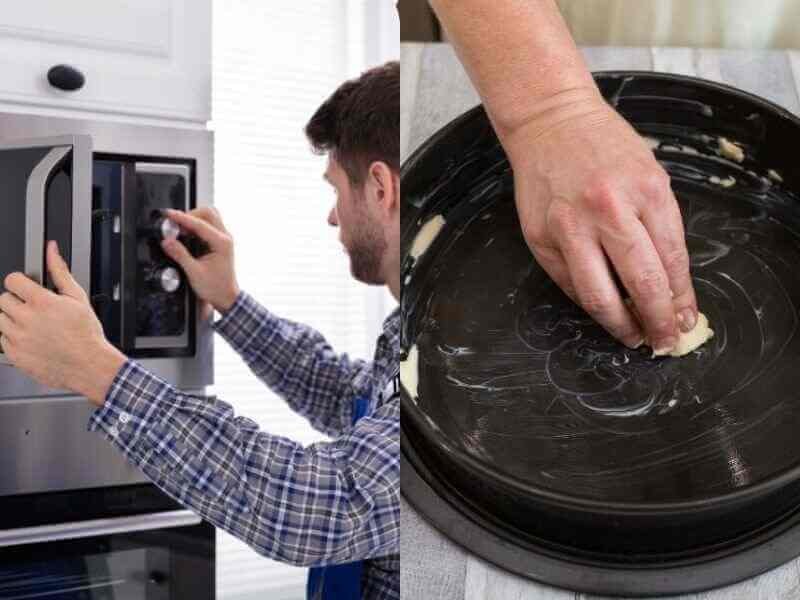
<point>544,446</point>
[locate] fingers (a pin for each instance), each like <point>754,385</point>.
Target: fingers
<point>206,310</point>
<point>552,261</point>
<point>599,296</point>
<point>213,235</point>
<point>178,252</point>
<point>209,215</point>
<point>23,287</point>
<point>638,264</point>
<point>5,344</point>
<point>11,306</point>
<point>59,273</point>
<point>665,227</point>
<point>6,326</point>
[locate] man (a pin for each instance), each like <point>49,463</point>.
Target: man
<point>330,504</point>
<point>593,202</point>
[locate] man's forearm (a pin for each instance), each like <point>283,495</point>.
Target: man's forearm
<point>329,503</point>
<point>297,363</point>
<point>519,54</point>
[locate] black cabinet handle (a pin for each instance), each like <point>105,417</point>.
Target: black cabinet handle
<point>66,78</point>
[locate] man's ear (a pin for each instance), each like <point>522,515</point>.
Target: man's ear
<point>385,186</point>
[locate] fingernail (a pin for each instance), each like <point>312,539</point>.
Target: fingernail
<point>634,342</point>
<point>664,347</point>
<point>687,320</point>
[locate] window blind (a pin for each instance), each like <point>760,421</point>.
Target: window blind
<point>273,65</point>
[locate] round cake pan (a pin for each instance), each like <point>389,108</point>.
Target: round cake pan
<point>529,423</point>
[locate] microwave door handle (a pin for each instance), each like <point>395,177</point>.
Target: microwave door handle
<point>35,211</point>
<point>98,527</point>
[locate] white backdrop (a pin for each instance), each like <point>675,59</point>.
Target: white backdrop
<point>273,65</point>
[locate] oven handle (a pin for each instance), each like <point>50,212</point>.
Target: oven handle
<point>36,211</point>
<point>98,527</point>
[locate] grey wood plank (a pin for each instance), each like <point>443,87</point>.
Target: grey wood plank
<point>706,64</point>
<point>606,58</point>
<point>485,581</point>
<point>443,92</point>
<point>410,57</point>
<point>431,565</point>
<point>794,63</point>
<point>673,60</point>
<point>781,583</point>
<point>767,74</point>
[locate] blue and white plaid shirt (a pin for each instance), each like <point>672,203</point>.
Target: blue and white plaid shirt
<point>329,503</point>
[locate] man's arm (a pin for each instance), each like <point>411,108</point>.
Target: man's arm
<point>296,362</point>
<point>518,53</point>
<point>292,359</point>
<point>329,503</point>
<point>590,195</point>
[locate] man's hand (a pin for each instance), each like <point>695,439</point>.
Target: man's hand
<point>213,275</point>
<point>590,195</point>
<point>56,338</point>
<point>591,198</point>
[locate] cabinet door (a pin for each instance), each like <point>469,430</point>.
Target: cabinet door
<point>145,58</point>
<point>46,187</point>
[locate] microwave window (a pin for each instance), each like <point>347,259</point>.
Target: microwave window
<point>16,168</point>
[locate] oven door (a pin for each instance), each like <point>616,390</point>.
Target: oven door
<point>160,556</point>
<point>46,195</point>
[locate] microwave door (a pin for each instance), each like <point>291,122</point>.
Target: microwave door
<point>46,187</point>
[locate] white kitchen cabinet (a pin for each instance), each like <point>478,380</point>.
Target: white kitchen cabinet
<point>148,58</point>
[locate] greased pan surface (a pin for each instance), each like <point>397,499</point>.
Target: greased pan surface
<point>531,416</point>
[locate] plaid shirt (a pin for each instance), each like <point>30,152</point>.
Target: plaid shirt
<point>329,503</point>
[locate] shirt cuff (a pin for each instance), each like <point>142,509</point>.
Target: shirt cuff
<point>134,400</point>
<point>242,324</point>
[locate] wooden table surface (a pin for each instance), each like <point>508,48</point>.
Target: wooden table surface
<point>435,90</point>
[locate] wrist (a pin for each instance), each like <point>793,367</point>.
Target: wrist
<point>548,112</point>
<point>570,112</point>
<point>96,379</point>
<point>226,302</point>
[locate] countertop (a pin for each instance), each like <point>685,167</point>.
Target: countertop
<point>435,90</point>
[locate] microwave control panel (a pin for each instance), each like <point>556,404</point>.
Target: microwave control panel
<point>141,296</point>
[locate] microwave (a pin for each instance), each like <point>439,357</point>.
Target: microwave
<point>99,188</point>
<point>107,213</point>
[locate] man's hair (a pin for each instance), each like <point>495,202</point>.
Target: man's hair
<point>360,123</point>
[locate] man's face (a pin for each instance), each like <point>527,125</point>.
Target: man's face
<point>360,230</point>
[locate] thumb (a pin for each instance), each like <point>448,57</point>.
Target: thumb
<point>178,252</point>
<point>60,275</point>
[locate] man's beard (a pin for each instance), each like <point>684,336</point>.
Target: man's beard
<point>366,250</point>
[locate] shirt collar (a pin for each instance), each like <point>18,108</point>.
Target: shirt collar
<point>391,333</point>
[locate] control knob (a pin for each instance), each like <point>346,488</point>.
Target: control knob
<point>166,229</point>
<point>166,279</point>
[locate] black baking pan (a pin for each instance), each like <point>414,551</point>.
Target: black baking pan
<point>544,446</point>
